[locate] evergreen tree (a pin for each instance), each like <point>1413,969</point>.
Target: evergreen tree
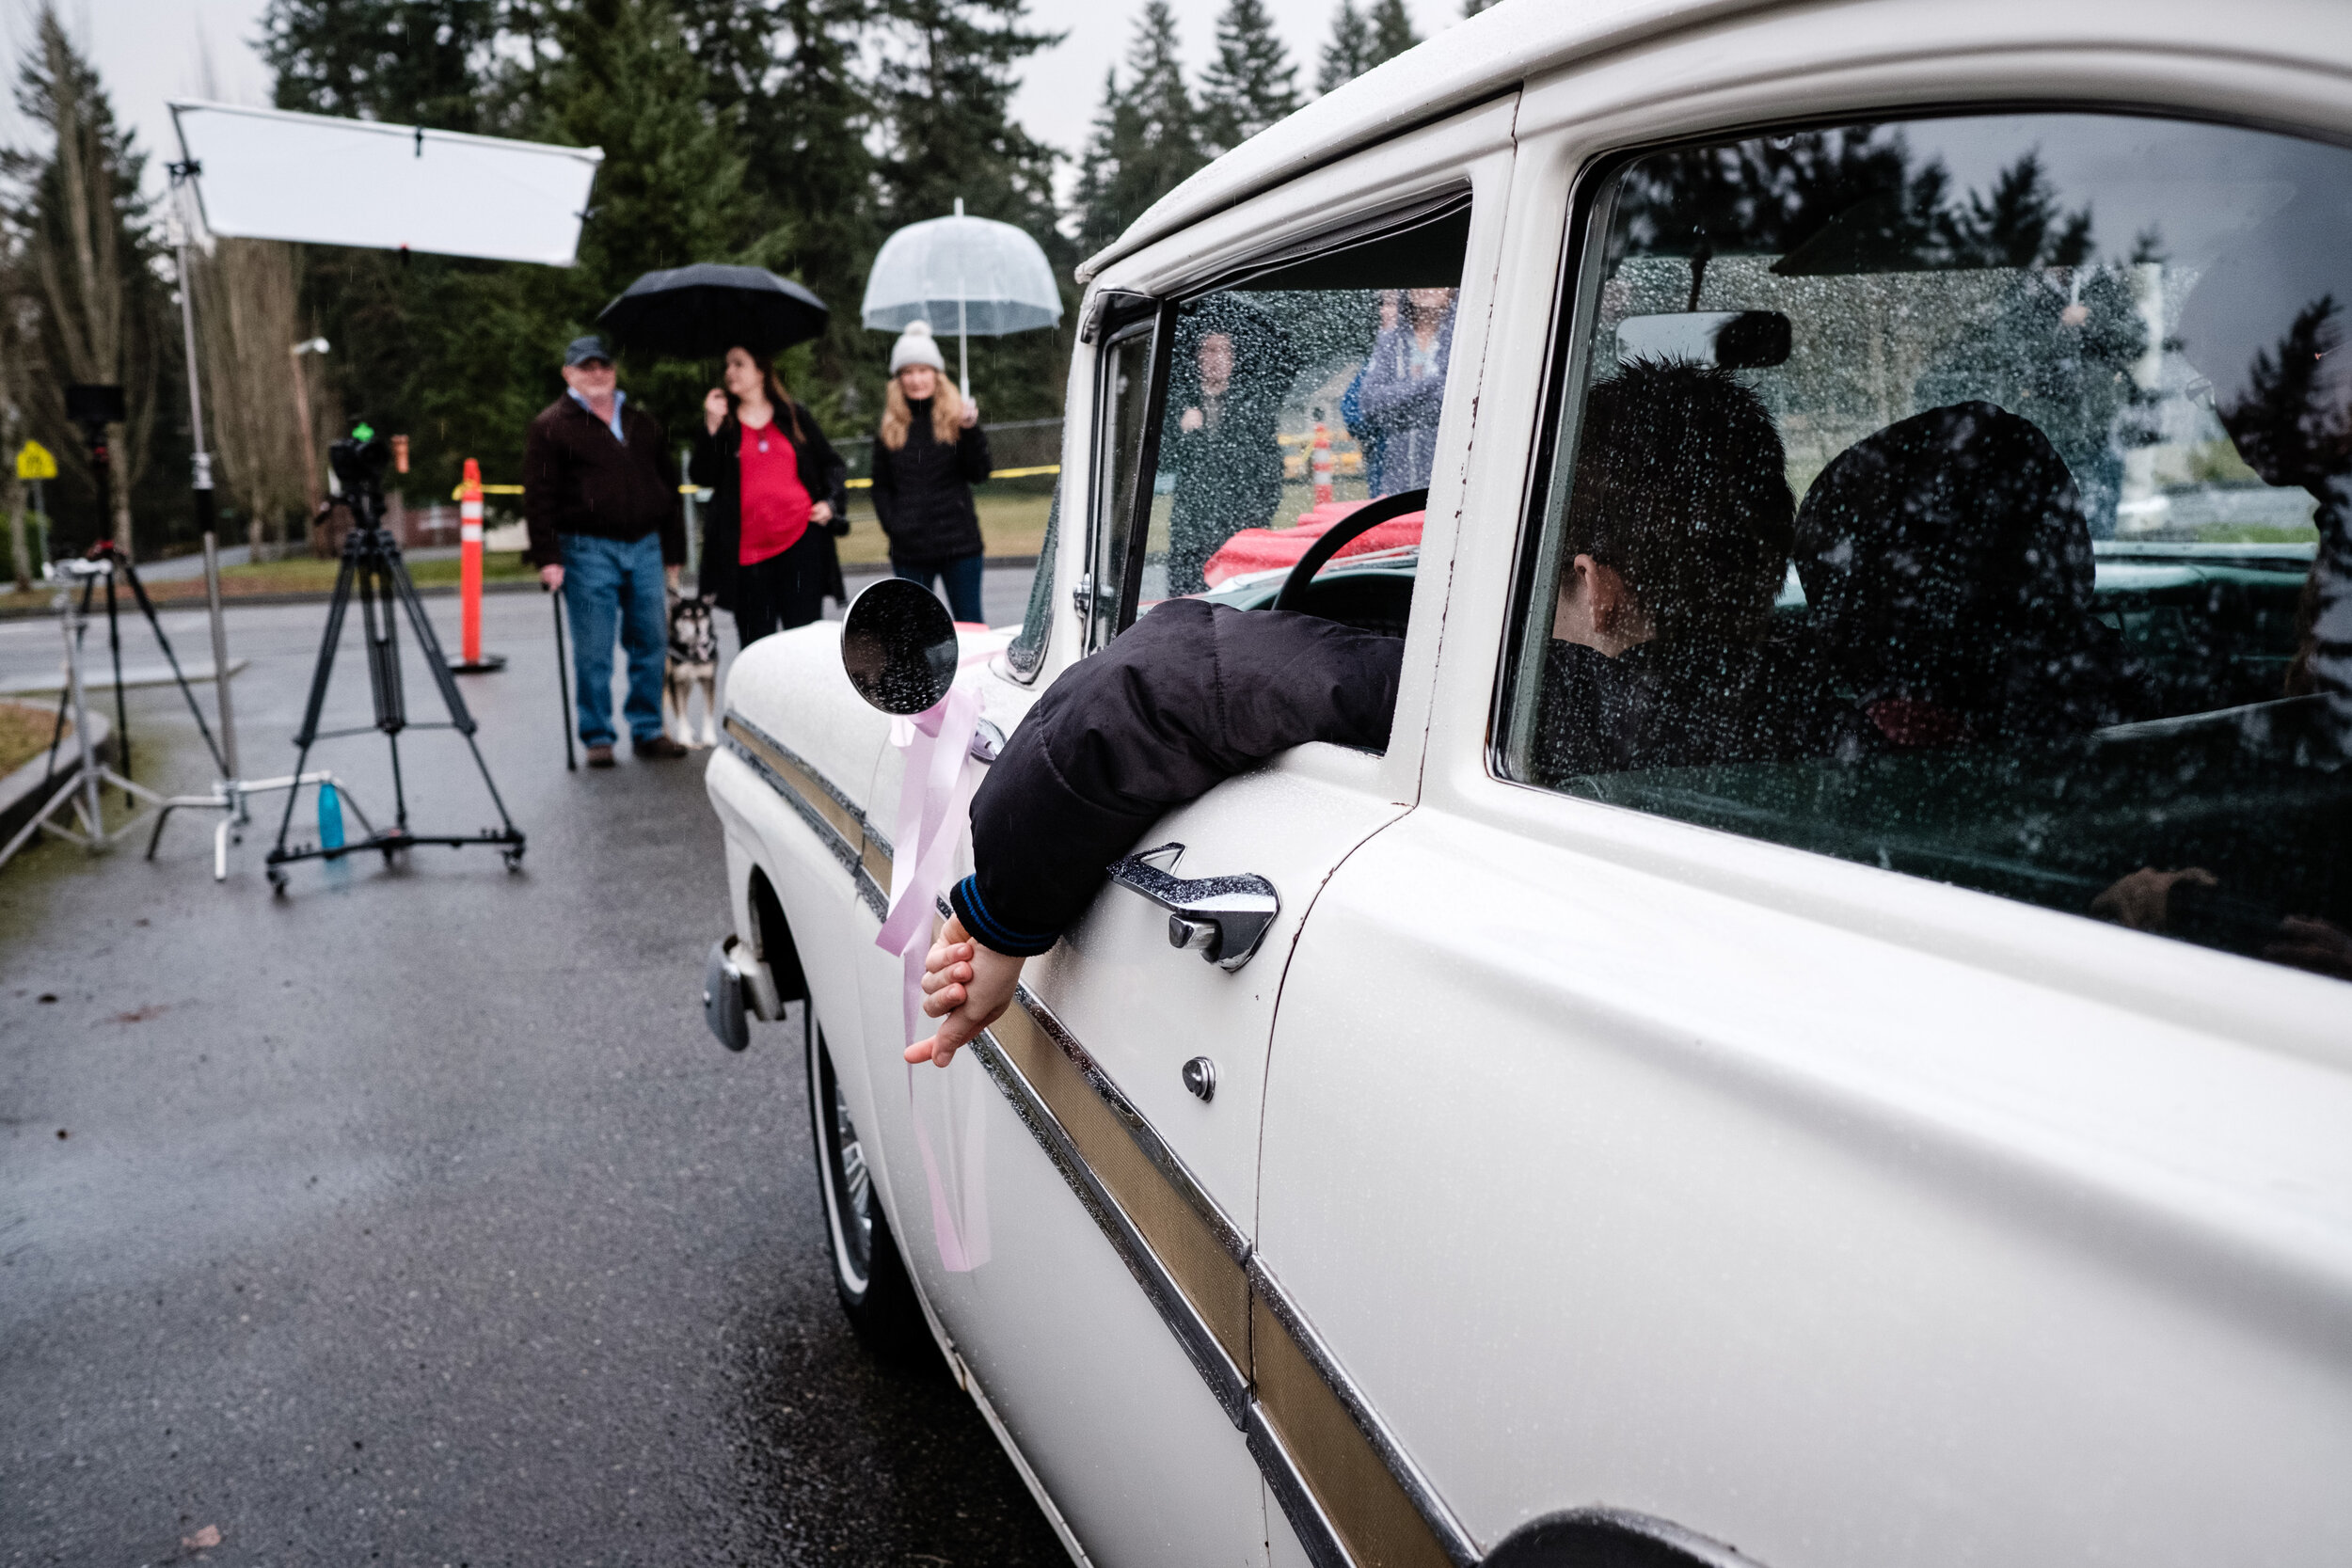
<point>1165,149</point>
<point>1252,82</point>
<point>97,309</point>
<point>412,62</point>
<point>1349,54</point>
<point>944,95</point>
<point>1472,8</point>
<point>1094,198</point>
<point>1391,30</point>
<point>810,157</point>
<point>1146,138</point>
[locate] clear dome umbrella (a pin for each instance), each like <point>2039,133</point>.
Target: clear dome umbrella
<point>982,278</point>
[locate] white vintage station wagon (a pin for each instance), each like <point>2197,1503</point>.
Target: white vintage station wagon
<point>1911,1125</point>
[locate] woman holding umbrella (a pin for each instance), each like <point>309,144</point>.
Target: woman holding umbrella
<point>928,455</point>
<point>778,501</point>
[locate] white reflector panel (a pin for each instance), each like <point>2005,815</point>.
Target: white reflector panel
<point>268,175</point>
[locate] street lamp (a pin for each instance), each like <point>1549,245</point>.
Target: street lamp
<point>302,416</point>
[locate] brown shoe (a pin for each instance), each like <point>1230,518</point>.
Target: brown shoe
<point>600,757</point>
<point>659,746</point>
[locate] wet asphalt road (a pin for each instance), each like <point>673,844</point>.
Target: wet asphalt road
<point>414,1218</point>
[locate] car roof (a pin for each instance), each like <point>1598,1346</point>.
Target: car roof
<point>1486,56</point>
<point>1474,59</point>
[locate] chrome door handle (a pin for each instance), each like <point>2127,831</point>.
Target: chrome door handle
<point>1221,918</point>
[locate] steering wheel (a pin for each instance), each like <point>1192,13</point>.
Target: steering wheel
<point>1340,536</point>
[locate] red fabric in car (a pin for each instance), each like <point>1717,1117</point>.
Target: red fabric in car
<point>1263,549</point>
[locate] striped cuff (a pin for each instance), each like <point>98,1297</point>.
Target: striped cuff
<point>990,932</point>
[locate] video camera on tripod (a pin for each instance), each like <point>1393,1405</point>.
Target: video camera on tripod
<point>371,563</point>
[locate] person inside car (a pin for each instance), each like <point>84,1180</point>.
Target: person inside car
<point>1949,576</point>
<point>1680,496</point>
<point>1673,549</point>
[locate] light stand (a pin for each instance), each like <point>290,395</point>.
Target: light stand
<point>231,789</point>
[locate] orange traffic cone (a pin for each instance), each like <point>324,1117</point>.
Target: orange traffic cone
<point>471,660</point>
<point>1321,461</point>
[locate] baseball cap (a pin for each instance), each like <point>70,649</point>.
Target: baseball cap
<point>584,349</point>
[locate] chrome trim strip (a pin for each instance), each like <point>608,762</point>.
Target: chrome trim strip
<point>1155,1147</point>
<point>1307,1521</point>
<point>1324,1544</point>
<point>747,740</point>
<point>1452,1538</point>
<point>1192,1332</point>
<point>818,779</point>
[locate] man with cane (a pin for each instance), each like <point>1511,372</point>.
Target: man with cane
<point>600,496</point>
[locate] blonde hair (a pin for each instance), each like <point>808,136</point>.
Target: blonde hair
<point>899,416</point>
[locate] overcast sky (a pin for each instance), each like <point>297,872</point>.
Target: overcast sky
<point>152,50</point>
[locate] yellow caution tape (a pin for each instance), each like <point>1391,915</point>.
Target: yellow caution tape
<point>459,494</point>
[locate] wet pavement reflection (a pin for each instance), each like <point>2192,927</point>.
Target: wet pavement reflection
<point>414,1217</point>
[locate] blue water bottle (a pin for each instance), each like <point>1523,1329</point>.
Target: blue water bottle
<point>330,818</point>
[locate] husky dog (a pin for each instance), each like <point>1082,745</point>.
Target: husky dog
<point>694,661</point>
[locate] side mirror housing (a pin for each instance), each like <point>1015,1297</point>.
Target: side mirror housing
<point>899,645</point>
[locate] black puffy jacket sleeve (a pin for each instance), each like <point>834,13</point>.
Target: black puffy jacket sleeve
<point>1190,695</point>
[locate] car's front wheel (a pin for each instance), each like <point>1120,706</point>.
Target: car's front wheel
<point>866,1270</point>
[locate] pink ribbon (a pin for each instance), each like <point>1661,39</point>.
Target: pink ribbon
<point>934,799</point>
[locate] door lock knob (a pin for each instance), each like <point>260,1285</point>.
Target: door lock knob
<point>1200,1078</point>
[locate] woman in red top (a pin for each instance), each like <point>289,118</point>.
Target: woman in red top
<point>778,499</point>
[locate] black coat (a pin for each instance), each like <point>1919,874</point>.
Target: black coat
<point>1189,696</point>
<point>578,480</point>
<point>823,475</point>
<point>923,491</point>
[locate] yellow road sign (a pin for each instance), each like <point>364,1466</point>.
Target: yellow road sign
<point>34,462</point>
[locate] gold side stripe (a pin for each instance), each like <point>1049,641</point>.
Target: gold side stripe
<point>1372,1515</point>
<point>1353,1482</point>
<point>1186,1247</point>
<point>812,794</point>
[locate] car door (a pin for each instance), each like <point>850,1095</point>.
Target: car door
<point>1795,1150</point>
<point>1105,1136</point>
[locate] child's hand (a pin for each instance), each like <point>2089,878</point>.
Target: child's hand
<point>965,985</point>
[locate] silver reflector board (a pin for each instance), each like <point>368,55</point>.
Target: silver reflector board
<point>265,174</point>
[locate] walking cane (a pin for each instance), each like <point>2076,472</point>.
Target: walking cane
<point>564,682</point>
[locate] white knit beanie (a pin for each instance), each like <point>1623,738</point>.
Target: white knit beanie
<point>914,347</point>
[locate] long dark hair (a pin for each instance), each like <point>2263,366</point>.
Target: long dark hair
<point>776,394</point>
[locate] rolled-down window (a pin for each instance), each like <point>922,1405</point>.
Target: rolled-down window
<point>1294,392</point>
<point>1967,497</point>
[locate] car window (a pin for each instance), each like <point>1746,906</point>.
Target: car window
<point>1303,388</point>
<point>1025,653</point>
<point>1966,497</point>
<point>1122,399</point>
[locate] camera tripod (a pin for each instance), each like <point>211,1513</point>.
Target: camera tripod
<point>371,563</point>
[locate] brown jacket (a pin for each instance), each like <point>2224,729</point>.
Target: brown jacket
<point>577,479</point>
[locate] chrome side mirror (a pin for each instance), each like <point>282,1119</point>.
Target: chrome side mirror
<point>899,644</point>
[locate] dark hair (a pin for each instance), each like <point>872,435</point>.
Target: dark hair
<point>1681,485</point>
<point>776,394</point>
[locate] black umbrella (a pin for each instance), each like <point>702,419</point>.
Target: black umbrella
<point>701,312</point>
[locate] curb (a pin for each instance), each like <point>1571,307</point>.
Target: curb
<point>24,792</point>
<point>232,601</point>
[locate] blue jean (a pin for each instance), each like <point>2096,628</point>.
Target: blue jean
<point>962,575</point>
<point>604,581</point>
